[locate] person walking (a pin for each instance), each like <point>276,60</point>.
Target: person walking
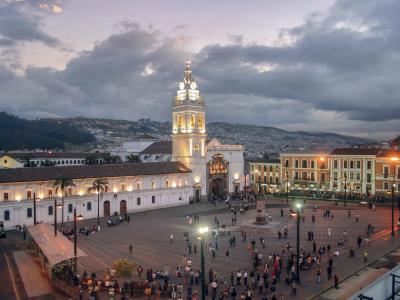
<point>171,238</point>
<point>336,278</point>
<point>319,275</point>
<point>359,241</point>
<point>130,249</point>
<point>329,272</point>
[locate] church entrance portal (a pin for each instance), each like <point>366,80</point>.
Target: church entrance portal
<point>218,176</point>
<point>107,208</point>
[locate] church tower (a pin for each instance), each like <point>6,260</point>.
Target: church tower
<point>189,131</point>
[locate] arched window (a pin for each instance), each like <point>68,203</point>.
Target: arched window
<point>153,184</point>
<point>50,210</point>
<point>89,206</point>
<point>192,120</point>
<point>200,121</point>
<point>166,183</point>
<point>29,213</point>
<point>138,186</point>
<point>179,121</point>
<point>6,215</point>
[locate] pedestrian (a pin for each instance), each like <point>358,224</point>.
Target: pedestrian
<point>357,216</point>
<point>359,241</point>
<point>227,254</point>
<point>130,249</point>
<point>329,232</point>
<point>319,275</point>
<point>171,238</point>
<point>329,272</point>
<point>365,256</point>
<point>281,213</point>
<point>294,288</point>
<point>336,278</point>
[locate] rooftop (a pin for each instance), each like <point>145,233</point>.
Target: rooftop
<point>53,155</point>
<point>356,151</point>
<point>161,147</point>
<point>91,171</point>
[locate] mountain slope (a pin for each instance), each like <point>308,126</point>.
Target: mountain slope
<point>18,134</point>
<point>256,139</point>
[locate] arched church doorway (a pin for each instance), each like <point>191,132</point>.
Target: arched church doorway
<point>197,195</point>
<point>122,207</point>
<point>218,176</point>
<point>106,208</point>
<point>217,187</point>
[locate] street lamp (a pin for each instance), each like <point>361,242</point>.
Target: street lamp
<point>322,160</point>
<point>345,189</point>
<point>287,187</point>
<point>34,208</point>
<point>245,185</point>
<point>298,208</point>
<point>202,232</point>
<point>55,215</point>
<point>76,218</point>
<point>393,159</point>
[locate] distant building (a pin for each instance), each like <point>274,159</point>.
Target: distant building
<point>157,152</point>
<point>265,175</point>
<point>11,160</point>
<point>134,147</point>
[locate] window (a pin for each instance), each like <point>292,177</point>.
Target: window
<point>50,193</point>
<point>368,177</point>
<point>312,176</point>
<point>335,164</point>
<point>276,179</point>
<point>138,186</point>
<point>5,161</point>
<point>296,163</point>
<point>351,175</point>
<point>106,188</point>
<point>6,215</point>
<point>29,213</point>
<point>270,179</point>
<point>70,209</point>
<point>29,195</point>
<point>351,164</point>
<point>252,177</point>
<point>138,200</point>
<point>265,179</point>
<point>153,184</point>
<point>287,163</point>
<point>304,164</point>
<point>385,185</point>
<point>167,182</point>
<point>369,165</point>
<point>334,175</point>
<point>89,206</point>
<point>69,192</point>
<point>304,175</point>
<point>358,176</point>
<point>74,161</point>
<point>296,175</point>
<point>196,147</point>
<point>50,210</point>
<point>62,162</point>
<point>323,177</point>
<point>270,168</point>
<point>265,168</point>
<point>259,178</point>
<point>153,199</point>
<point>259,168</point>
<point>345,164</point>
<point>5,196</point>
<point>252,167</point>
<point>358,164</point>
<point>385,172</point>
<point>277,169</point>
<point>312,164</point>
<point>123,187</point>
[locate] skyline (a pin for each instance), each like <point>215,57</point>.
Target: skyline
<point>324,66</point>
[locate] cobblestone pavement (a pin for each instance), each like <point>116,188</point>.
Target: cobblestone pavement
<point>149,232</point>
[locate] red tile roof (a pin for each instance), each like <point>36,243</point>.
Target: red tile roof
<point>356,151</point>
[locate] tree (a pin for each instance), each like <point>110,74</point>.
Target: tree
<point>132,158</point>
<point>113,159</point>
<point>61,184</point>
<point>92,160</point>
<point>99,185</point>
<point>123,267</point>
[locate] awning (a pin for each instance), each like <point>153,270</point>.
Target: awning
<point>56,248</point>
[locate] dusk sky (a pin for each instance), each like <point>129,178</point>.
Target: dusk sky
<point>314,65</point>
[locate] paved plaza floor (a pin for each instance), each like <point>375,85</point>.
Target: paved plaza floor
<point>149,234</point>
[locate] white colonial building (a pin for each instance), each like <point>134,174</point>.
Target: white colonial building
<point>188,167</point>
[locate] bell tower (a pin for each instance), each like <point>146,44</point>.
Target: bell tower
<point>189,131</point>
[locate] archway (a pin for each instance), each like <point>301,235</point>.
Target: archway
<point>122,207</point>
<point>197,195</point>
<point>106,208</point>
<point>217,187</point>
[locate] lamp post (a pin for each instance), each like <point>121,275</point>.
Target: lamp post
<point>298,207</point>
<point>202,231</point>
<point>79,217</point>
<point>34,208</point>
<point>287,188</point>
<point>345,189</point>
<point>245,185</point>
<point>393,159</point>
<point>55,215</point>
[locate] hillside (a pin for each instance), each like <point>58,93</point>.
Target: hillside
<point>19,134</point>
<point>257,139</point>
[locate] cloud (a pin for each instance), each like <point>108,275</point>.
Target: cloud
<point>335,72</point>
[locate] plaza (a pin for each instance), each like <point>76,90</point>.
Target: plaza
<point>149,234</point>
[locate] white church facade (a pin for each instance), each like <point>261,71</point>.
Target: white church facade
<point>195,169</point>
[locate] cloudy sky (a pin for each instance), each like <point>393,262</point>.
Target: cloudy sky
<point>316,65</point>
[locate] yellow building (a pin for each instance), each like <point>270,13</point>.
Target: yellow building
<point>265,175</point>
